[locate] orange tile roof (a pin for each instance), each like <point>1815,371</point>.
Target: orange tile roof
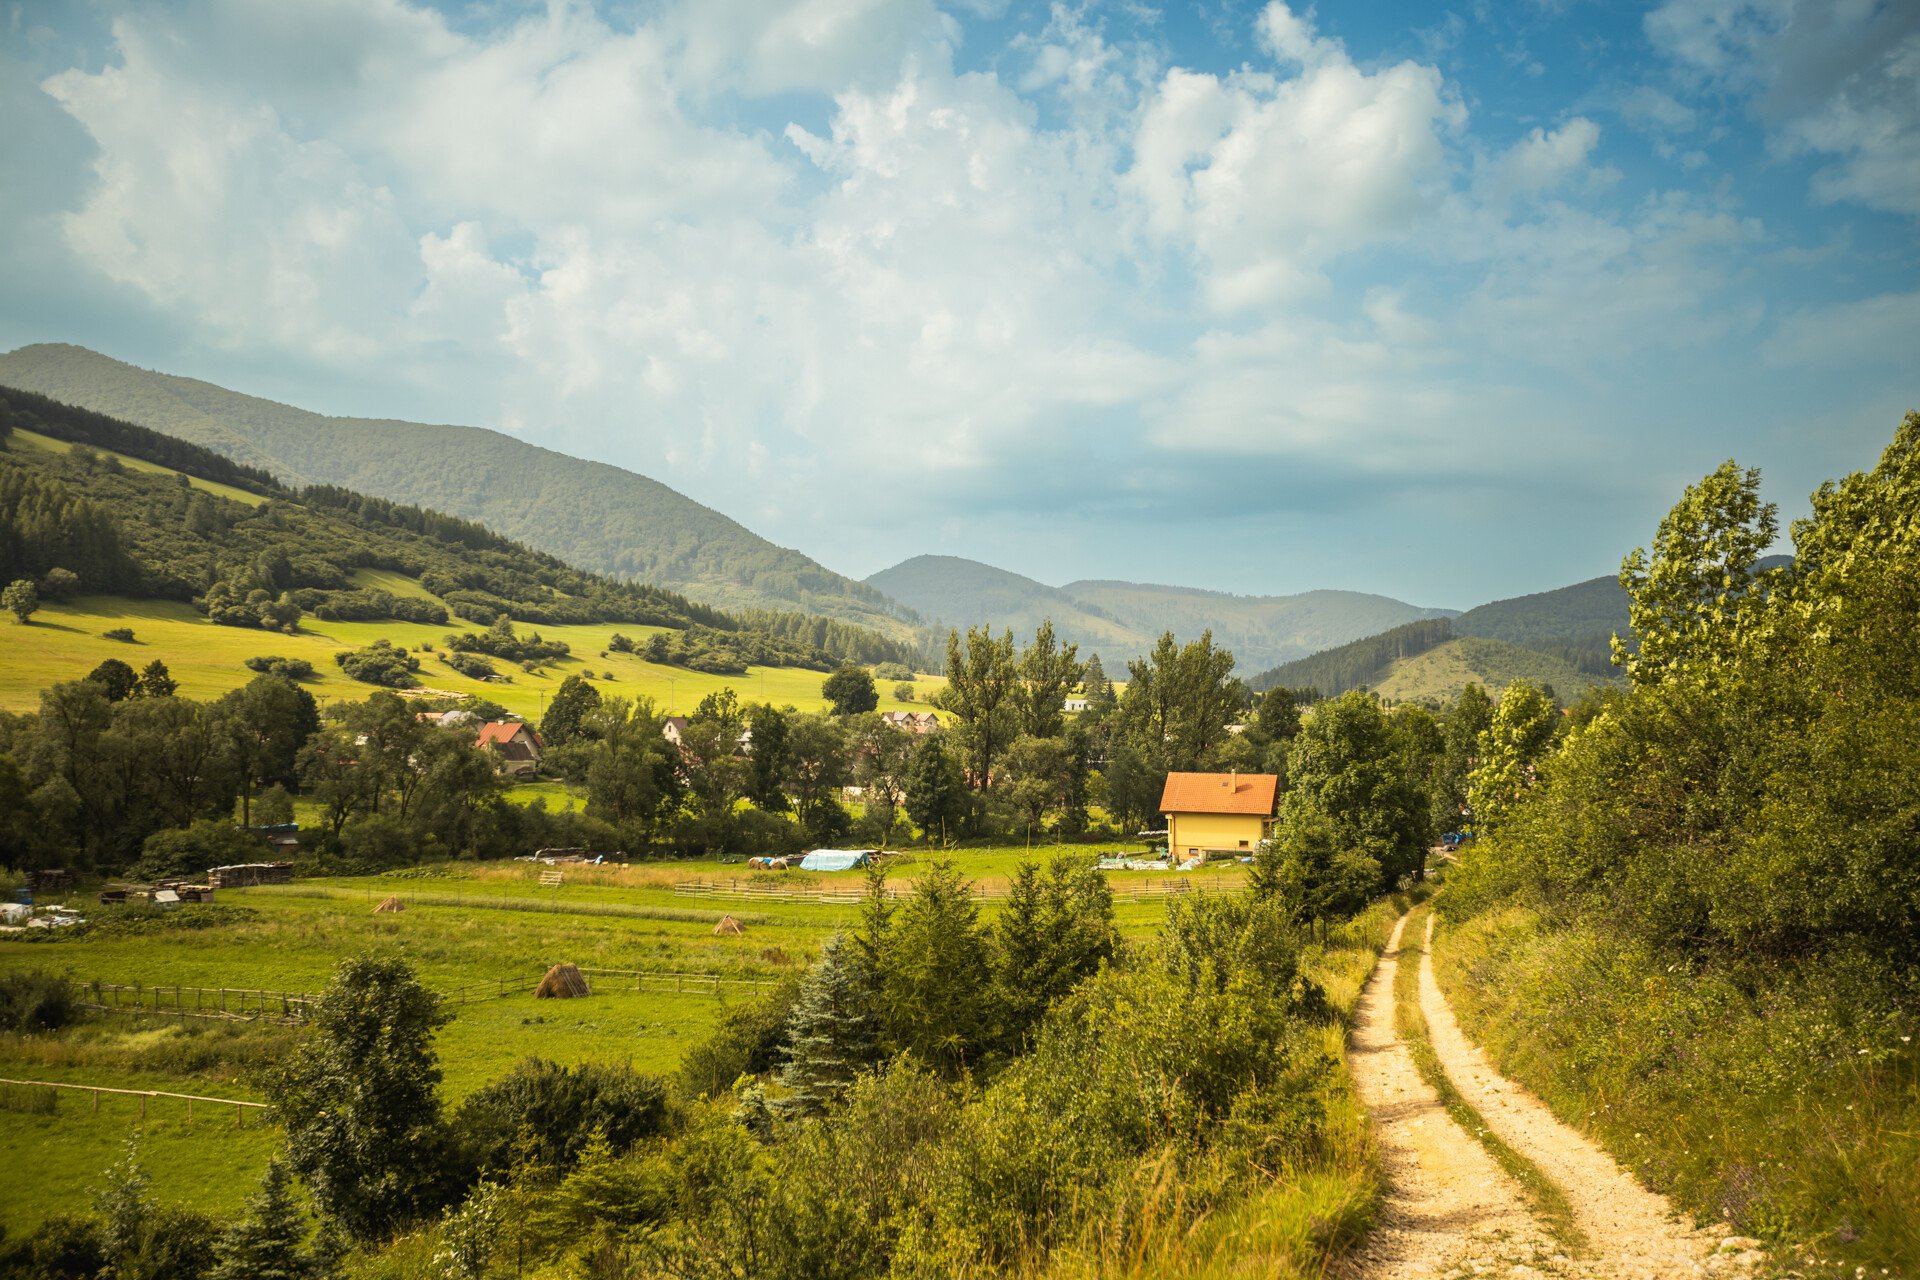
<point>503,731</point>
<point>1219,793</point>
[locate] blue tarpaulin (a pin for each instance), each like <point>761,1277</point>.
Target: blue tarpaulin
<point>835,859</point>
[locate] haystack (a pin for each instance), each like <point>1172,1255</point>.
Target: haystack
<point>728,927</point>
<point>563,982</point>
<point>389,903</point>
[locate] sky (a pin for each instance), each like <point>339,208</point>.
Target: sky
<point>1443,302</point>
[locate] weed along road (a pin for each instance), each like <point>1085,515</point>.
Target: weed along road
<point>1451,1208</point>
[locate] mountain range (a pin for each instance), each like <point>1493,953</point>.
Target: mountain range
<point>595,516</point>
<point>1121,619</point>
<point>608,520</point>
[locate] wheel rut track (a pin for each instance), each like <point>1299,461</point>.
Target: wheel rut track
<point>1448,1204</point>
<point>1449,1209</point>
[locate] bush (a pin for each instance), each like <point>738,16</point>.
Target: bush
<point>542,1110</point>
<point>123,634</point>
<point>748,1043</point>
<point>34,1001</point>
<point>471,665</point>
<point>187,851</point>
<point>893,671</point>
<point>295,669</point>
<point>380,663</point>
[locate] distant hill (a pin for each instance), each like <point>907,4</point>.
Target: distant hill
<point>1573,623</point>
<point>1426,660</point>
<point>592,515</point>
<point>1442,672</point>
<point>1260,630</point>
<point>1123,619</point>
<point>141,515</point>
<point>963,593</point>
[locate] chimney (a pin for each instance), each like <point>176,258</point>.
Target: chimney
<point>1233,782</point>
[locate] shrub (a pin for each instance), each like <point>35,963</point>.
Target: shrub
<point>295,669</point>
<point>186,851</point>
<point>380,663</point>
<point>542,1110</point>
<point>471,665</point>
<point>123,634</point>
<point>34,1001</point>
<point>748,1042</point>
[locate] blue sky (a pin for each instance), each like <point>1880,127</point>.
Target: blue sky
<point>1445,302</point>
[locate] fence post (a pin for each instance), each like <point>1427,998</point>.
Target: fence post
<point>238,1111</point>
<point>143,1107</point>
<point>189,1110</point>
<point>96,1102</point>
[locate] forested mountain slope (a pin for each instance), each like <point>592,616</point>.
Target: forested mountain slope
<point>1122,619</point>
<point>599,517</point>
<point>117,506</point>
<point>1425,661</point>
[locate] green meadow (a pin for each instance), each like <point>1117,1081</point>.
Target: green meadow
<point>464,925</point>
<point>64,642</point>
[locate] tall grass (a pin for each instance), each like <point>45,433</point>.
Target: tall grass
<point>1303,1218</point>
<point>1782,1099</point>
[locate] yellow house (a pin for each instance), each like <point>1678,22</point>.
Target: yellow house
<point>1217,812</point>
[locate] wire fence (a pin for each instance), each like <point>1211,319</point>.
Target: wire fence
<point>53,1087</point>
<point>749,890</point>
<point>684,983</point>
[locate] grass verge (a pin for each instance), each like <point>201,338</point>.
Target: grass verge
<point>1782,1098</point>
<point>1545,1198</point>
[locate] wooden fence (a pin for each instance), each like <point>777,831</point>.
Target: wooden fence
<point>687,983</point>
<point>234,1003</point>
<point>239,1108</point>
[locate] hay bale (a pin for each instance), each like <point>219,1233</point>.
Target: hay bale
<point>563,982</point>
<point>389,903</point>
<point>728,927</point>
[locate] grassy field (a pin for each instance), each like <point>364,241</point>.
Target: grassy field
<point>64,642</point>
<point>466,925</point>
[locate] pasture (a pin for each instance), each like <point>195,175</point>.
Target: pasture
<point>467,929</point>
<point>64,642</point>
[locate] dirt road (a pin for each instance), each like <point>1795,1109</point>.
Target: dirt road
<point>1452,1211</point>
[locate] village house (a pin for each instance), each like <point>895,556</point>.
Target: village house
<point>515,747</point>
<point>1076,704</point>
<point>672,727</point>
<point>1214,813</point>
<point>912,721</point>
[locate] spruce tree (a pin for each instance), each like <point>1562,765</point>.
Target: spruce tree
<point>831,1036</point>
<point>267,1243</point>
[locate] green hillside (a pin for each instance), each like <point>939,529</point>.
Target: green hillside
<point>590,514</point>
<point>262,571</point>
<point>1123,619</point>
<point>1440,673</point>
<point>67,641</point>
<point>1427,660</point>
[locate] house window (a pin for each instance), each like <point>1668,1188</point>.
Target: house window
<point>1243,844</point>
<point>1192,852</point>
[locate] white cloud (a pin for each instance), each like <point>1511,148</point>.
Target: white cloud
<point>1837,80</point>
<point>1268,179</point>
<point>1003,287</point>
